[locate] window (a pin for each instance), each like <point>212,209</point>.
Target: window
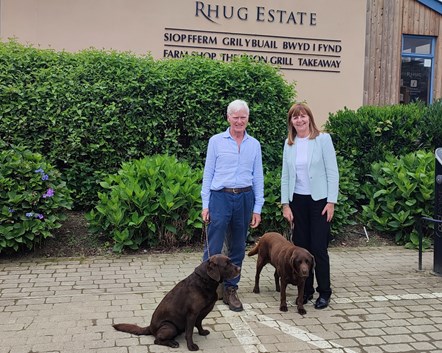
<point>417,69</point>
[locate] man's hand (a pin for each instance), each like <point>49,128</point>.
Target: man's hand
<point>205,215</point>
<point>256,220</point>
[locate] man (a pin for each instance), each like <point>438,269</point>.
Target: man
<point>232,192</point>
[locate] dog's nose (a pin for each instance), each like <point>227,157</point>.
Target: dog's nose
<point>305,272</point>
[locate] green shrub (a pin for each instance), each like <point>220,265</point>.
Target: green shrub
<point>32,198</point>
<point>348,197</point>
<point>150,201</point>
<point>432,125</point>
<point>89,112</point>
<point>271,214</point>
<point>400,193</point>
<point>370,133</point>
<point>197,92</point>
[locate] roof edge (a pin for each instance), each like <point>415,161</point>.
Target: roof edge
<point>435,5</point>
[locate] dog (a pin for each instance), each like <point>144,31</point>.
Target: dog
<point>187,304</point>
<point>292,266</point>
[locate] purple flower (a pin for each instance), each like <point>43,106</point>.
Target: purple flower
<point>49,193</point>
<point>39,216</point>
<point>44,177</point>
<point>11,210</point>
<point>39,170</point>
<point>30,214</point>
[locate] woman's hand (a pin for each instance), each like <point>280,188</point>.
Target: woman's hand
<point>330,210</point>
<point>287,213</point>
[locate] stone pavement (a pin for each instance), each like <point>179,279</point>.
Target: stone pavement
<point>381,303</point>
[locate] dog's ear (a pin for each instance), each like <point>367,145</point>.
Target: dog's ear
<point>293,261</point>
<point>213,270</point>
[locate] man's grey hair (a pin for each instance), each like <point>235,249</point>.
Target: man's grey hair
<point>237,105</point>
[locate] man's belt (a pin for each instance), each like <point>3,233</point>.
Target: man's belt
<point>237,190</point>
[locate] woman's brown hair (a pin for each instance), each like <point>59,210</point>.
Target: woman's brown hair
<point>296,110</point>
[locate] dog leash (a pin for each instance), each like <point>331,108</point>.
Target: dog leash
<point>206,238</point>
<point>290,233</point>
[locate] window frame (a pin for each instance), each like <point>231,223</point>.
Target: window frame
<point>422,56</point>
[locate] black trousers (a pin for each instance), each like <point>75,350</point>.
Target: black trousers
<point>312,232</point>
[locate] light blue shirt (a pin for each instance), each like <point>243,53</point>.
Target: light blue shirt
<point>229,167</point>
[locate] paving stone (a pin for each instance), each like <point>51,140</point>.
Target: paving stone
<point>380,304</point>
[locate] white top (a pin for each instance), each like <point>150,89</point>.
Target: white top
<point>302,185</point>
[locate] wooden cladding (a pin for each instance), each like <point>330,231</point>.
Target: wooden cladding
<point>419,19</point>
<point>387,20</point>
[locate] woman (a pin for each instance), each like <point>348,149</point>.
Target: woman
<point>309,191</point>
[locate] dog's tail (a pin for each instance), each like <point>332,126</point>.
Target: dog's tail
<point>134,329</point>
<point>254,250</point>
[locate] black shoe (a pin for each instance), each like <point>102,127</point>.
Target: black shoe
<point>321,303</point>
<point>307,298</point>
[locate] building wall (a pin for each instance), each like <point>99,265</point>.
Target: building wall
<point>369,33</point>
<point>387,20</point>
<point>141,26</point>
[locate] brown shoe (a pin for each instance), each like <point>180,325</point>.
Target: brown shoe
<point>230,298</point>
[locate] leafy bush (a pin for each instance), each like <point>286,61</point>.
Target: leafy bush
<point>432,123</point>
<point>400,193</point>
<point>32,198</point>
<point>348,197</point>
<point>369,134</point>
<point>154,200</point>
<point>271,214</point>
<point>88,112</point>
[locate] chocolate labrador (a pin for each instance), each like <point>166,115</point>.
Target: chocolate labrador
<point>292,265</point>
<point>187,304</point>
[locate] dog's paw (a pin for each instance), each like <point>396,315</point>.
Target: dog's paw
<point>193,347</point>
<point>302,311</point>
<point>169,343</point>
<point>204,332</point>
<point>283,308</point>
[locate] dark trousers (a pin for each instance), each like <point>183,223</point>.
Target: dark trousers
<point>230,215</point>
<point>312,232</point>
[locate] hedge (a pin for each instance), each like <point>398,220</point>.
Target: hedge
<point>91,111</point>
